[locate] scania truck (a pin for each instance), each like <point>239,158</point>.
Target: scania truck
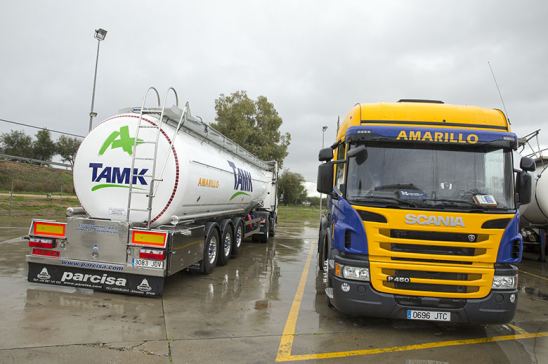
<point>422,220</point>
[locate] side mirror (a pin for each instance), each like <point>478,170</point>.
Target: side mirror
<point>360,153</point>
<point>325,155</point>
<point>527,164</point>
<point>524,187</point>
<point>324,184</point>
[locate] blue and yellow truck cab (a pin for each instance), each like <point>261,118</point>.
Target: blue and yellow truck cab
<point>422,220</point>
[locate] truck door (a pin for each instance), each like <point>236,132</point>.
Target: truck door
<point>339,186</point>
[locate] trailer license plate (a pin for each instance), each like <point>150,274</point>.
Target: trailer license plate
<point>145,263</point>
<point>428,315</point>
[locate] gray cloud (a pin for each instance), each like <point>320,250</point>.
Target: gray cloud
<point>313,59</point>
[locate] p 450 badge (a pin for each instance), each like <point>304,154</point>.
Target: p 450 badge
<point>398,279</point>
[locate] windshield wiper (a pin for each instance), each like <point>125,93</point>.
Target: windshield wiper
<point>383,199</point>
<point>398,186</point>
<point>450,202</point>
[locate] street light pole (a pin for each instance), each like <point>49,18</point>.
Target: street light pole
<point>324,128</point>
<point>100,35</point>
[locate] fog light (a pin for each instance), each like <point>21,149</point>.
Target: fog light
<point>512,298</point>
<point>505,282</point>
<point>345,287</point>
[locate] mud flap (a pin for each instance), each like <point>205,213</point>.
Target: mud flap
<point>112,282</point>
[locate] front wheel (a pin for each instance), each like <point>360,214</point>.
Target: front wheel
<point>211,248</point>
<point>322,254</point>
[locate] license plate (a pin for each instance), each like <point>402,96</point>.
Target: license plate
<point>145,263</point>
<point>428,315</point>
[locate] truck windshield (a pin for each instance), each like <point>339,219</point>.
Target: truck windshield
<point>432,178</point>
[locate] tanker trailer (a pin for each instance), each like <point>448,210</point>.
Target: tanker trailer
<point>160,191</point>
<point>534,215</point>
<point>536,212</point>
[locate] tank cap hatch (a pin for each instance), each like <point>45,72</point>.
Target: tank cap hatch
<point>422,101</point>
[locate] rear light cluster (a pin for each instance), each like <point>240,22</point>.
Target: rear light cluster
<point>152,254</point>
<point>41,243</point>
<point>44,236</point>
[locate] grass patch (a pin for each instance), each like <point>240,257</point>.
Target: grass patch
<point>298,213</point>
<point>31,178</point>
<point>22,206</point>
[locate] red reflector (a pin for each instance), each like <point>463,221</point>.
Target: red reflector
<point>42,243</point>
<point>152,254</point>
<point>49,253</point>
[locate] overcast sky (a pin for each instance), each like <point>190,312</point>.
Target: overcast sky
<point>312,59</point>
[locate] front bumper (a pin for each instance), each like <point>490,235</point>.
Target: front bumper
<point>363,300</point>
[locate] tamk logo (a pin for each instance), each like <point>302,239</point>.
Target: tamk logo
<point>117,177</point>
<point>242,181</point>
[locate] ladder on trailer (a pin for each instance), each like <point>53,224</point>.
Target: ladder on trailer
<point>150,158</point>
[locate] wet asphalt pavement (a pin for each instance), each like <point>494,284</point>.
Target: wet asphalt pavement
<point>239,313</point>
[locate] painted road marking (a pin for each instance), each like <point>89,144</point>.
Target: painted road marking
<point>289,333</point>
<point>533,275</point>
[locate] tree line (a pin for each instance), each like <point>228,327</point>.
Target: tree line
<point>254,124</point>
<point>42,147</point>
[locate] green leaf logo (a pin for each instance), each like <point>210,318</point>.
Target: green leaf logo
<point>238,193</point>
<point>119,139</point>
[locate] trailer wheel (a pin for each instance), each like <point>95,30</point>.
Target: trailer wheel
<point>226,242</point>
<point>238,237</point>
<point>211,249</point>
<point>263,238</point>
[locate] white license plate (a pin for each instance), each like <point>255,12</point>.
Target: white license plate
<point>428,315</point>
<point>148,263</point>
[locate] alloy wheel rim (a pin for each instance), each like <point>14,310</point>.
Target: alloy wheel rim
<point>239,236</point>
<point>212,249</point>
<point>227,244</point>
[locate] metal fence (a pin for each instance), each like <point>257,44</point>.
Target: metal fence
<point>33,161</point>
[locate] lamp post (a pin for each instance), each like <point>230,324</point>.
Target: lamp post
<point>100,35</point>
<point>324,128</point>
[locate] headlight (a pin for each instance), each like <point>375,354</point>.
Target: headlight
<point>505,282</point>
<point>354,273</point>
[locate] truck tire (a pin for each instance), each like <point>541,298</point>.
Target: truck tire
<point>273,219</point>
<point>322,252</point>
<point>226,242</point>
<point>211,249</point>
<point>263,238</point>
<point>238,236</point>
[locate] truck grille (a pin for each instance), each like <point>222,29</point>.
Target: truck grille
<point>443,246</point>
<point>436,250</point>
<point>430,261</point>
<point>426,280</point>
<point>418,255</point>
<point>432,235</point>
